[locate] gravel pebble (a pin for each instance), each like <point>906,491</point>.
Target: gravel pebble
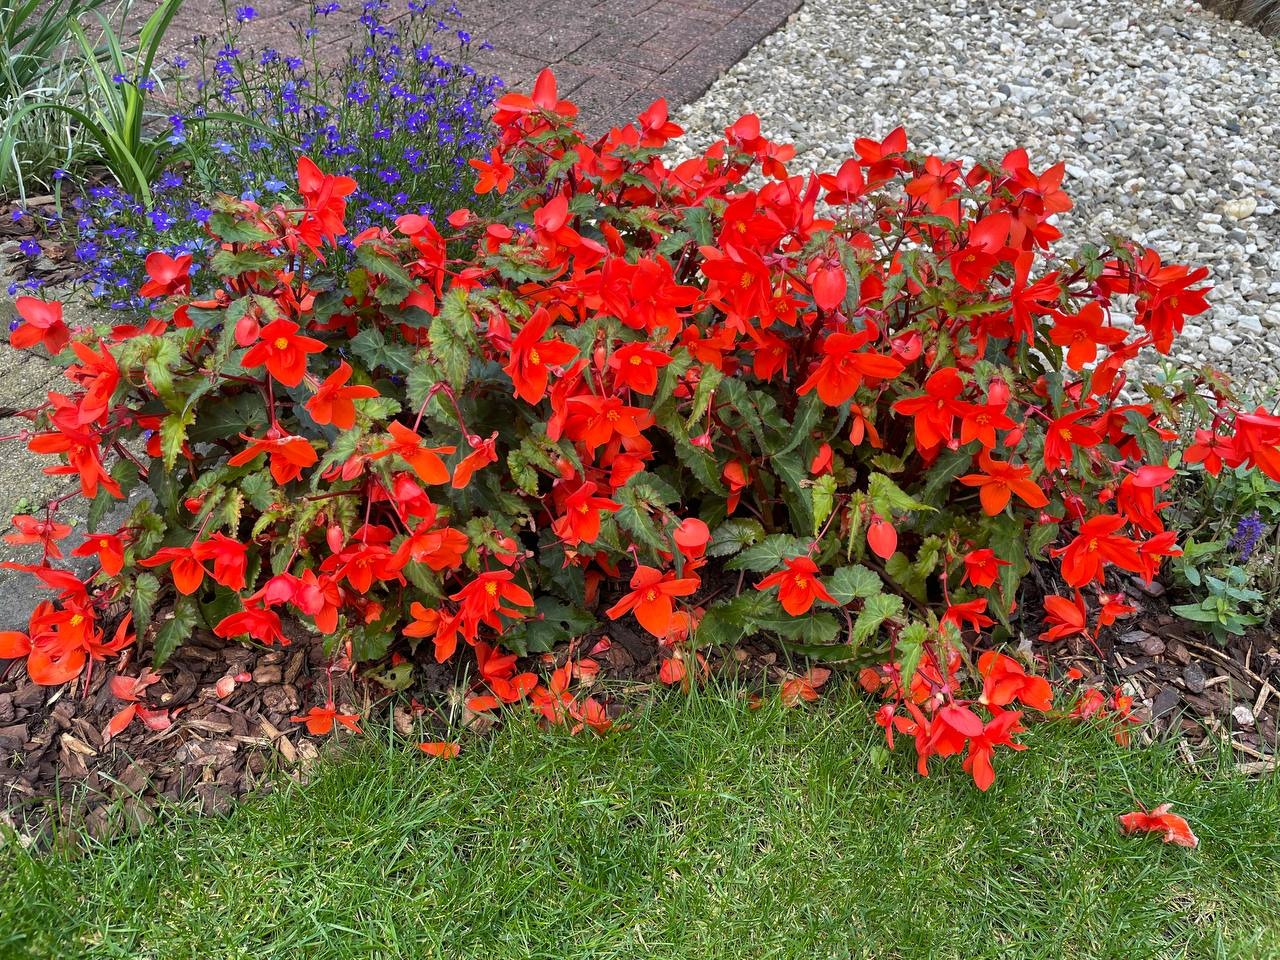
<point>1167,117</point>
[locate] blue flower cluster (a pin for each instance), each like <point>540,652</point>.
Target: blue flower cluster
<point>1249,531</point>
<point>400,111</point>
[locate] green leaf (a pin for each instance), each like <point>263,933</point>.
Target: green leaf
<point>808,413</point>
<point>227,417</point>
<point>767,556</point>
<point>146,590</point>
<point>453,337</point>
<point>399,284</point>
<point>875,612</point>
<point>522,473</point>
<point>639,500</point>
<point>699,462</point>
<point>259,489</point>
<point>175,630</point>
<point>824,500</point>
<point>1042,534</point>
<point>888,498</point>
<point>812,629</point>
<point>708,381</point>
<point>554,623</point>
<point>224,263</point>
<point>232,229</point>
<point>910,648</point>
<point>854,582</point>
<point>795,477</point>
<point>173,434</point>
<point>1194,611</point>
<point>729,622</point>
<point>733,536</point>
<point>395,677</point>
<point>948,466</point>
<point>370,346</point>
<point>1008,541</point>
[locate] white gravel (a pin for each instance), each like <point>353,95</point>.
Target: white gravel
<point>1167,117</point>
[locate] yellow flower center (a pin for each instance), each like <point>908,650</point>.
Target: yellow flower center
<point>802,582</point>
<point>535,357</point>
<point>491,588</point>
<point>745,281</point>
<point>636,360</point>
<point>650,596</point>
<point>281,343</point>
<point>103,544</point>
<point>77,619</point>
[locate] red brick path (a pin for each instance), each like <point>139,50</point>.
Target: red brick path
<point>613,57</point>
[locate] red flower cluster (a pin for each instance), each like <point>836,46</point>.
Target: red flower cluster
<point>869,388</point>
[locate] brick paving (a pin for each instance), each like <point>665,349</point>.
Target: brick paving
<point>613,57</point>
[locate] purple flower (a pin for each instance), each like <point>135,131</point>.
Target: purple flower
<point>1248,533</point>
<point>30,248</point>
<point>245,14</point>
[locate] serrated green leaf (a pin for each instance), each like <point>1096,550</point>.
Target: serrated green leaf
<point>708,380</point>
<point>794,476</point>
<point>734,535</point>
<point>729,622</point>
<point>145,592</point>
<point>452,337</point>
<point>370,346</point>
<point>808,413</point>
<point>175,630</point>
<point>854,582</point>
<point>173,434</point>
<point>888,498</point>
<point>554,623</point>
<point>767,555</point>
<point>232,229</point>
<point>875,611</point>
<point>910,649</point>
<point>811,630</point>
<point>824,500</point>
<point>225,263</point>
<point>228,417</point>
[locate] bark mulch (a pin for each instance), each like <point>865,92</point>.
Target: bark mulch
<point>222,744</point>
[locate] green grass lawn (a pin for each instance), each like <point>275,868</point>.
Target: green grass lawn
<point>702,830</point>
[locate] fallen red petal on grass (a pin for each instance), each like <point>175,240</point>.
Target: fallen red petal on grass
<point>1172,828</point>
<point>672,671</point>
<point>439,748</point>
<point>804,688</point>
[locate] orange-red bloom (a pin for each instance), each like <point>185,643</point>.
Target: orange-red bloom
<point>798,585</point>
<point>425,461</point>
<point>333,401</point>
<point>42,324</point>
<point>650,598</point>
<point>284,352</point>
<point>167,276</point>
<point>531,357</point>
<point>1000,481</point>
